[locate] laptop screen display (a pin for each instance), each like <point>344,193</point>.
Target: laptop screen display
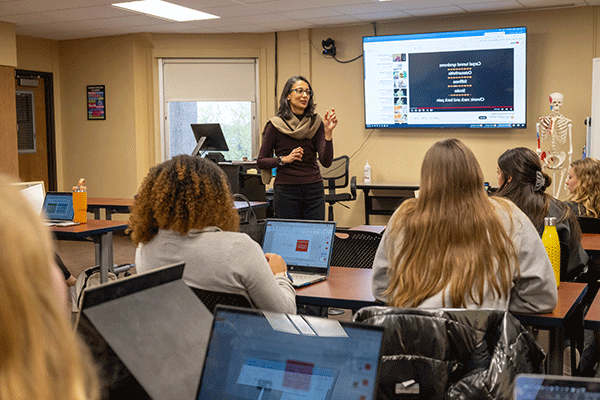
<point>532,387</point>
<point>260,355</point>
<point>59,205</point>
<point>300,243</point>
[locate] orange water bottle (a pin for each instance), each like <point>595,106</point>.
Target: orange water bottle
<point>552,245</point>
<point>80,202</point>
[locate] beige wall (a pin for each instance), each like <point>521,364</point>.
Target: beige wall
<point>115,154</point>
<point>8,48</point>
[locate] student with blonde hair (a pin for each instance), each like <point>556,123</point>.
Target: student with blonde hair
<point>454,246</point>
<point>583,182</point>
<point>40,356</point>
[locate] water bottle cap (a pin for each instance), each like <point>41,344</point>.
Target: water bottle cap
<point>550,221</point>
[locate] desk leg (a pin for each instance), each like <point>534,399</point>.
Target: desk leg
<point>555,356</point>
<point>368,205</point>
<point>104,255</point>
<point>108,213</point>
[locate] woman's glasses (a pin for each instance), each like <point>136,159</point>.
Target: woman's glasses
<point>300,91</point>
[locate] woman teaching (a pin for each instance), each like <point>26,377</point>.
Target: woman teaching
<point>292,142</point>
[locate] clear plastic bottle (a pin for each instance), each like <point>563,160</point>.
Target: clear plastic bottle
<point>367,173</point>
<point>552,245</point>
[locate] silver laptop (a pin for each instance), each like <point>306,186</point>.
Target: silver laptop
<point>304,245</point>
<point>256,354</point>
<point>58,209</point>
<point>532,387</point>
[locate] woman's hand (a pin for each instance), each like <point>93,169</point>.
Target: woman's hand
<point>296,154</point>
<point>276,263</point>
<point>329,122</point>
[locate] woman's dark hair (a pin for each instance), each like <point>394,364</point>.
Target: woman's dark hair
<point>525,183</point>
<point>284,106</point>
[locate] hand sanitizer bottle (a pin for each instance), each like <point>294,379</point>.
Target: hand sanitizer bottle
<point>367,173</point>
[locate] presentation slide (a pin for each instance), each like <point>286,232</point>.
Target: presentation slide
<point>478,80</point>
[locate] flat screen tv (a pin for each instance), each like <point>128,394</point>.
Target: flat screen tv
<point>462,79</point>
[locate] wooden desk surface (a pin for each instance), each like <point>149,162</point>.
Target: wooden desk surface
<point>570,295</point>
<point>92,227</point>
<point>109,202</point>
<point>590,241</point>
<point>386,186</point>
<point>344,288</point>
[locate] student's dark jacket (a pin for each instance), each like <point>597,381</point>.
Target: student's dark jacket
<point>452,354</point>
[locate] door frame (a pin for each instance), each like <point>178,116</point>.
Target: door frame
<point>50,131</point>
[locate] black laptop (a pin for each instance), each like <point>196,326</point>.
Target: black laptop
<point>256,354</point>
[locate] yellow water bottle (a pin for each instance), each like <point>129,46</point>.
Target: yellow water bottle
<point>552,245</point>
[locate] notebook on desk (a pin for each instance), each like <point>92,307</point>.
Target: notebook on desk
<point>304,245</point>
<point>256,354</point>
<point>532,387</point>
<point>58,209</point>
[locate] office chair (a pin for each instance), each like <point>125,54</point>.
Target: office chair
<point>337,177</point>
<point>354,249</point>
<point>211,299</point>
<point>589,224</point>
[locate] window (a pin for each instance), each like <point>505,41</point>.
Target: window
<point>210,91</point>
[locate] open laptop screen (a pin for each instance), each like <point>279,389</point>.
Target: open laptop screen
<point>302,244</point>
<point>261,355</point>
<point>533,387</point>
<point>59,206</point>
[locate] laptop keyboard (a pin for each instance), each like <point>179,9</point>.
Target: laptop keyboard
<point>300,279</point>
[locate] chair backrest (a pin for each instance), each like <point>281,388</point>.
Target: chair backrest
<point>354,249</point>
<point>211,299</point>
<point>589,224</point>
<point>336,176</point>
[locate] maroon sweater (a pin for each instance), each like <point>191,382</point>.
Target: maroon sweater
<point>297,172</point>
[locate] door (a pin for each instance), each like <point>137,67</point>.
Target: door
<point>32,130</point>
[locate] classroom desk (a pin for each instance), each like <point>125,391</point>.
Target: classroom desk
<point>570,296</point>
<point>98,231</point>
<point>123,206</point>
<point>348,288</point>
<point>388,202</point>
<point>371,228</point>
<point>110,205</point>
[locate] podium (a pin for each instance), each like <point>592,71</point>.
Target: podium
<point>249,185</point>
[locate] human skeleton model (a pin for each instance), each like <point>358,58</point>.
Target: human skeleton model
<point>554,130</point>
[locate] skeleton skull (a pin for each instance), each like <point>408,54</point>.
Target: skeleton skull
<point>556,101</point>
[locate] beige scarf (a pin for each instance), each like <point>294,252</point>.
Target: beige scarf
<point>298,129</point>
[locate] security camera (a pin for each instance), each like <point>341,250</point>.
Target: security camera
<point>329,47</point>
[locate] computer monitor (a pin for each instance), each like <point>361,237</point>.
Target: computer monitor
<point>209,137</point>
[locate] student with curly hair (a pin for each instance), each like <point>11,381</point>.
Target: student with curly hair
<point>40,355</point>
<point>184,211</point>
<point>430,256</point>
<point>522,181</point>
<point>583,182</point>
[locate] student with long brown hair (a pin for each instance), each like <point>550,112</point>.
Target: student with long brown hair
<point>40,355</point>
<point>454,246</point>
<point>522,181</point>
<point>184,211</point>
<point>583,182</point>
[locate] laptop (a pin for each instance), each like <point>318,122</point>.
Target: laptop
<point>255,354</point>
<point>531,386</point>
<point>304,245</point>
<point>58,209</point>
